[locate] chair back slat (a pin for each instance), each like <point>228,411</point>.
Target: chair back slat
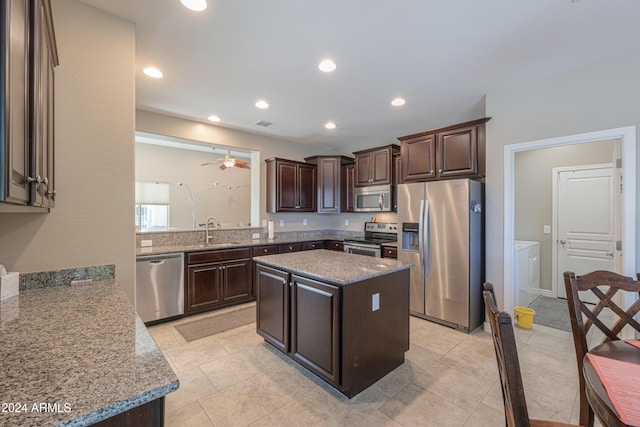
<point>584,317</point>
<point>515,404</point>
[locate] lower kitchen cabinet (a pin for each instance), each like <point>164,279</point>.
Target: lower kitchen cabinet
<point>337,332</point>
<point>290,247</point>
<point>217,279</point>
<point>300,317</point>
<point>319,244</point>
<point>335,245</point>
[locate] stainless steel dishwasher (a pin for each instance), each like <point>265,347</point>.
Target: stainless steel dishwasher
<point>159,286</point>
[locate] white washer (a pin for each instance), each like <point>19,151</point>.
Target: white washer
<point>527,271</point>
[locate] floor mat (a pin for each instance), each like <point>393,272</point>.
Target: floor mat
<point>215,324</point>
<point>551,312</point>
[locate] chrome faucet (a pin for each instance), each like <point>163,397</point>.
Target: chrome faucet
<point>214,221</point>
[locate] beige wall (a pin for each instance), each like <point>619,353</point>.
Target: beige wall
<point>94,118</point>
<point>232,207</point>
<point>533,192</point>
<point>596,97</point>
<point>159,124</point>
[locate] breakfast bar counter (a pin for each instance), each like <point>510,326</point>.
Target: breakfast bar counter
<point>79,355</point>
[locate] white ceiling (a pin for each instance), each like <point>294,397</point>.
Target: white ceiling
<point>442,56</point>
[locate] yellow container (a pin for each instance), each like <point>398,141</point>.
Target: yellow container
<point>524,317</point>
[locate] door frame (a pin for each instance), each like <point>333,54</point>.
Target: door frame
<point>627,136</point>
<point>554,219</point>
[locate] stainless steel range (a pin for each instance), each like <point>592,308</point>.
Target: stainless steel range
<point>375,234</point>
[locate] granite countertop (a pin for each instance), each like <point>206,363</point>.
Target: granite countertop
<point>157,250</point>
<point>336,267</point>
<point>76,355</point>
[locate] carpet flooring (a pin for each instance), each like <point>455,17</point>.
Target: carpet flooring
<point>551,312</point>
<point>215,324</point>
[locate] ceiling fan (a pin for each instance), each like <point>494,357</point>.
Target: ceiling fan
<point>229,162</point>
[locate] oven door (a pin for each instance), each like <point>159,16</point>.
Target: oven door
<point>362,249</point>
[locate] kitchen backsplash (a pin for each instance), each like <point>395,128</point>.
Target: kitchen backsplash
<point>47,279</point>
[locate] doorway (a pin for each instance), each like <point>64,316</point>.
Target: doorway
<point>627,141</point>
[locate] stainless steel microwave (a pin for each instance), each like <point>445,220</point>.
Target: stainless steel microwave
<point>373,198</point>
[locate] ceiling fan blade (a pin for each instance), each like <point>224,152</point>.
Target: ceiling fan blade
<point>223,166</point>
<point>242,165</point>
<point>215,162</point>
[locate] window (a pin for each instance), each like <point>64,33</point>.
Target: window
<point>152,206</point>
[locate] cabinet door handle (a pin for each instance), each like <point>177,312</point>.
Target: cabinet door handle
<point>37,179</point>
<point>291,284</point>
<point>284,282</point>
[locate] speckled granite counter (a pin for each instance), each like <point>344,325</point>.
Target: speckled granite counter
<point>79,354</point>
<point>156,250</point>
<point>330,266</point>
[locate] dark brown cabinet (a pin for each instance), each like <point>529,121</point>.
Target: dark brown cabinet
<point>329,178</point>
<point>283,248</point>
<point>300,316</point>
<point>417,155</point>
<point>338,332</point>
<point>451,152</point>
<point>389,252</point>
<point>335,245</point>
<point>27,59</point>
<point>348,182</point>
<point>217,279</point>
<point>319,244</point>
<point>264,250</point>
<point>291,186</point>
<point>374,166</point>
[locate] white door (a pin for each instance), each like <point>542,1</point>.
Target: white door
<point>586,221</point>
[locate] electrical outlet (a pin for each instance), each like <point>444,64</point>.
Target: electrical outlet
<point>146,243</point>
<point>546,229</point>
<point>281,222</point>
<point>264,222</point>
<point>375,302</point>
<point>304,222</point>
<point>255,235</point>
<point>346,222</point>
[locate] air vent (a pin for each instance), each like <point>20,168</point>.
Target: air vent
<point>263,123</point>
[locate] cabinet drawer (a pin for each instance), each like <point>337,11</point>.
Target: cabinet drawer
<point>265,250</point>
<point>207,256</point>
<point>289,247</point>
<point>388,252</point>
<point>313,245</point>
<point>335,245</point>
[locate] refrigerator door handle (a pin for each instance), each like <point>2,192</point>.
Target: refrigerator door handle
<point>421,241</point>
<point>427,237</point>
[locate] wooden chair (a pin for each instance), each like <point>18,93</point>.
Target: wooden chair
<point>515,405</point>
<point>604,285</point>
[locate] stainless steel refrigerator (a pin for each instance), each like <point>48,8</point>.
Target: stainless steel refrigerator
<point>441,232</point>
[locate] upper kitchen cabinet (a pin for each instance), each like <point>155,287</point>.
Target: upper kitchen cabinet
<point>329,178</point>
<point>348,182</point>
<point>451,152</point>
<point>28,56</point>
<point>375,166</point>
<point>291,186</point>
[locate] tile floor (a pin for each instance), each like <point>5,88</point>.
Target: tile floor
<point>448,379</point>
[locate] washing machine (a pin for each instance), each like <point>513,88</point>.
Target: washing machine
<point>527,271</point>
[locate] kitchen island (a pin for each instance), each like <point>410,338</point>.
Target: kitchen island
<point>344,317</point>
<point>77,356</point>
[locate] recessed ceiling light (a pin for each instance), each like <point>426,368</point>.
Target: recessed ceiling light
<point>262,104</point>
<point>330,125</point>
<point>327,66</point>
<point>153,72</point>
<point>196,5</point>
<point>214,118</point>
<point>398,102</point>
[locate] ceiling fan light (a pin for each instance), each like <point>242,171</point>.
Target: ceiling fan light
<point>229,163</point>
